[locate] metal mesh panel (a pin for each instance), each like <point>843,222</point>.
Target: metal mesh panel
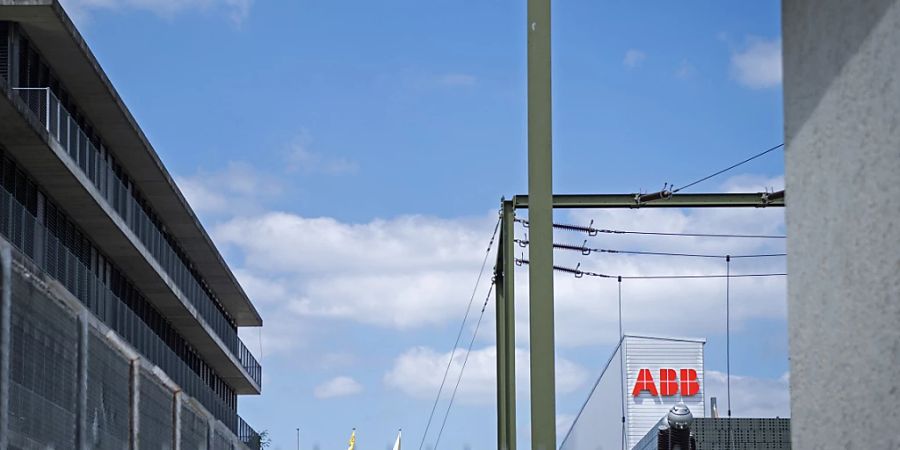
<point>43,368</point>
<point>4,50</point>
<point>221,441</point>
<point>746,434</point>
<point>194,429</point>
<point>156,431</point>
<point>108,396</point>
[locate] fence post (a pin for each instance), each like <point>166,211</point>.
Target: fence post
<point>176,418</point>
<point>135,400</point>
<point>82,397</point>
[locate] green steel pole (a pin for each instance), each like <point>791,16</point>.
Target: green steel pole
<point>500,303</point>
<point>509,343</point>
<point>540,215</point>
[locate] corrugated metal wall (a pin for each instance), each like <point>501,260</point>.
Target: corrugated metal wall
<point>644,411</point>
<point>599,423</point>
<point>47,381</point>
<point>600,426</point>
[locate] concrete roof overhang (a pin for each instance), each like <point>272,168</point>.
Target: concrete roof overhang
<point>64,49</point>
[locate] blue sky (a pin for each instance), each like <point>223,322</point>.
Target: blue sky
<point>348,158</point>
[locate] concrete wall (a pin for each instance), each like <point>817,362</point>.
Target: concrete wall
<point>842,129</point>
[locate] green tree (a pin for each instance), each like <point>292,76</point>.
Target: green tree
<point>264,440</point>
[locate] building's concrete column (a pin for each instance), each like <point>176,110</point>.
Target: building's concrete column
<point>842,127</point>
<point>5,339</point>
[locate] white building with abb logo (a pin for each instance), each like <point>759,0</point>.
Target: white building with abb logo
<point>643,379</point>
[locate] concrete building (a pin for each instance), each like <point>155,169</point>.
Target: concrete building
<point>842,161</point>
<point>116,301</point>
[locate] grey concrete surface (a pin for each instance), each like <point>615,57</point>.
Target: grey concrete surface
<point>842,129</point>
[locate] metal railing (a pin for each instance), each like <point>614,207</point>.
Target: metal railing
<point>98,167</point>
<point>248,435</point>
<point>248,361</point>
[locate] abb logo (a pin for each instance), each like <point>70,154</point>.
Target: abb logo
<point>668,384</point>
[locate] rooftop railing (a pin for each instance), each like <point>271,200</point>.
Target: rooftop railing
<point>97,165</point>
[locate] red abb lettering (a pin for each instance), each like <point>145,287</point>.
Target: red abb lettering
<point>668,384</point>
<point>689,384</point>
<point>644,383</point>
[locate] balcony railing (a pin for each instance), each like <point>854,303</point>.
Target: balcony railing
<point>248,435</point>
<point>97,166</point>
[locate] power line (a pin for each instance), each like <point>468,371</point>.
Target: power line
<point>463,368</point>
<point>728,168</point>
<point>582,273</point>
<point>591,231</point>
<point>437,398</point>
<point>586,251</point>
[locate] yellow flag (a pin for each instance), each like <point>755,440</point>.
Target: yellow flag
<point>352,440</point>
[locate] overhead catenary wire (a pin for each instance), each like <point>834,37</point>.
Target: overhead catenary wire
<point>583,273</point>
<point>463,368</point>
<point>586,251</point>
<point>591,231</point>
<point>462,326</point>
<point>728,168</point>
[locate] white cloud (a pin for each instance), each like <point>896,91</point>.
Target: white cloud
<point>758,65</point>
<point>342,386</point>
<point>237,189</point>
<point>237,10</point>
<point>633,58</point>
<point>750,396</point>
<point>412,272</point>
<point>406,272</point>
<point>301,158</point>
<point>418,373</point>
<point>751,183</point>
<point>587,308</point>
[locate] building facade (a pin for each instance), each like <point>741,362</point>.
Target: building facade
<point>120,270</point>
<point>643,378</point>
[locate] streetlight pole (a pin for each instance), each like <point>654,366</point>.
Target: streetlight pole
<point>298,438</point>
